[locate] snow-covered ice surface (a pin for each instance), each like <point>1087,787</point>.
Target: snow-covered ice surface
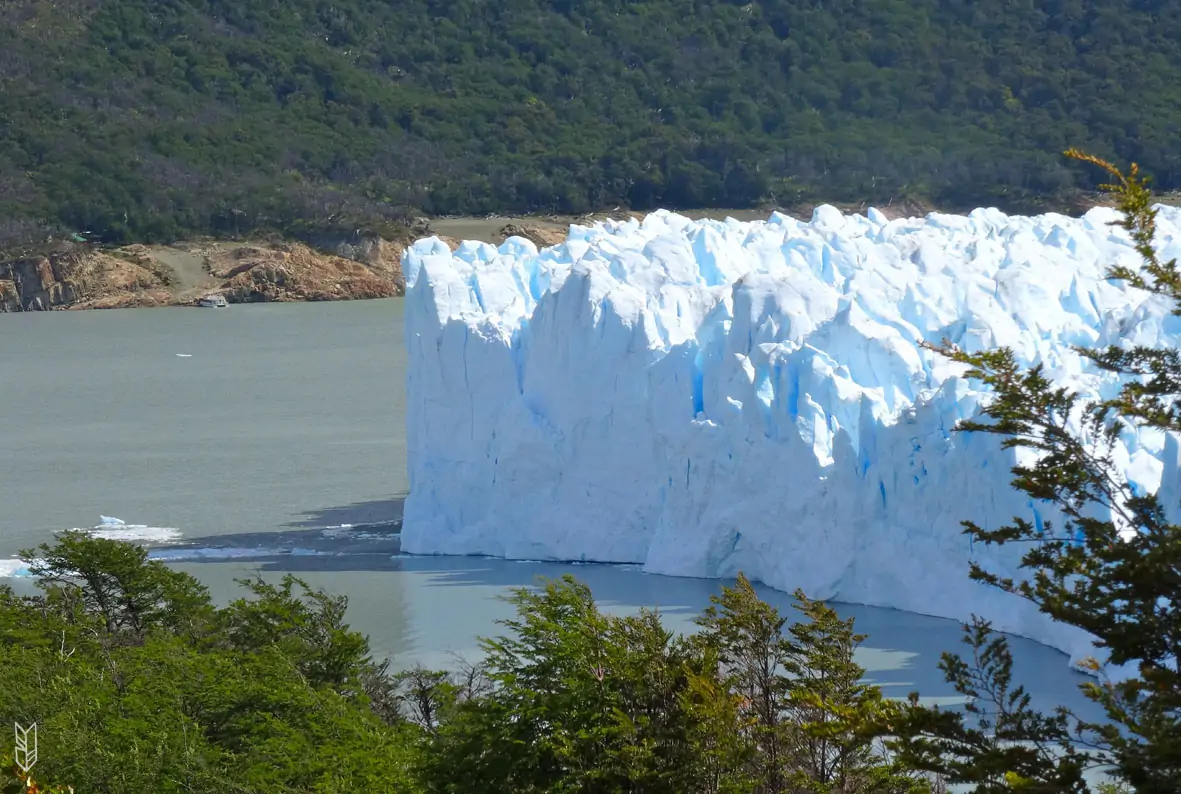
<point>708,397</point>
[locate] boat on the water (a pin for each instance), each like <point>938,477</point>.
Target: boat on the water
<point>212,302</point>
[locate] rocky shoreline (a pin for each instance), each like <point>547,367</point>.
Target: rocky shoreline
<point>352,267</point>
<point>86,277</point>
<point>78,275</point>
<point>82,276</point>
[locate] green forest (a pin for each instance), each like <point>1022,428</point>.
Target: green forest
<point>145,120</point>
<point>138,682</point>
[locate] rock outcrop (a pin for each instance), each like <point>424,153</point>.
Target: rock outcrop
<point>294,272</point>
<point>76,276</point>
<point>541,236</point>
<point>379,253</point>
<point>331,267</point>
<point>81,277</point>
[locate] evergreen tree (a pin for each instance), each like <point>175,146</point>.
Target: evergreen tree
<point>746,634</point>
<point>811,725</point>
<point>585,702</point>
<point>1113,568</point>
<point>999,744</point>
<point>834,717</point>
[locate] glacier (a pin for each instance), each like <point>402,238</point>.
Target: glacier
<point>708,397</point>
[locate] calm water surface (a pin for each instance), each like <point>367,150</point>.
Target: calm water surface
<point>281,415</point>
<point>281,420</point>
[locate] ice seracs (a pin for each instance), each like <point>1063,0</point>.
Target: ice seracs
<point>704,397</point>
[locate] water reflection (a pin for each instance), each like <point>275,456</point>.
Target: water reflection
<point>433,610</point>
<point>901,654</point>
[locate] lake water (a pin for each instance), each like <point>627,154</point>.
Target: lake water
<point>257,431</point>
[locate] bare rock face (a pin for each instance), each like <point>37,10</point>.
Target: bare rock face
<point>77,276</point>
<point>379,253</point>
<point>294,272</point>
<point>351,267</point>
<point>540,236</point>
<point>81,277</point>
<point>31,285</point>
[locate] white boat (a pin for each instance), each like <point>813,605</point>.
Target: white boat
<point>213,302</point>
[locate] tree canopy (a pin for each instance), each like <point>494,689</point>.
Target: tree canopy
<point>1111,567</point>
<point>148,119</point>
<point>137,682</point>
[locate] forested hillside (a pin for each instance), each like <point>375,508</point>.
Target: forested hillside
<point>149,119</point>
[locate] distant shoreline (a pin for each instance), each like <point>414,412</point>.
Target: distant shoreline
<point>269,270</point>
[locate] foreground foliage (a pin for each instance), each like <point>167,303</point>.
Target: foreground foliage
<point>1113,567</point>
<point>141,120</point>
<point>575,700</point>
<point>137,683</point>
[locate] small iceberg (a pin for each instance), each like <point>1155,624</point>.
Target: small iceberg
<point>108,528</point>
<point>14,569</point>
<point>111,528</point>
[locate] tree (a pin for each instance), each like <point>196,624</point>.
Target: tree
<point>427,695</point>
<point>315,119</point>
<point>308,626</point>
<point>582,701</point>
<point>746,634</point>
<point>1113,568</point>
<point>836,718</point>
<point>1010,746</point>
<point>118,582</point>
<point>811,724</point>
<point>138,683</point>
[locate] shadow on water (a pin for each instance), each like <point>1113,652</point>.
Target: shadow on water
<point>451,601</point>
<point>900,653</point>
<point>375,512</point>
<point>358,537</point>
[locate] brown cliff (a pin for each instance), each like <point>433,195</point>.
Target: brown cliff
<point>541,236</point>
<point>294,272</point>
<point>80,276</point>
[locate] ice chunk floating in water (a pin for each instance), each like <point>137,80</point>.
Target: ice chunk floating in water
<point>109,528</point>
<point>707,397</point>
<point>13,568</point>
<point>117,529</point>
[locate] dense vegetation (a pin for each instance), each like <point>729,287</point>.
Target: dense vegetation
<point>139,683</point>
<point>147,119</point>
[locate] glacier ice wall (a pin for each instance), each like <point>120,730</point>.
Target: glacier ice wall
<point>705,397</point>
